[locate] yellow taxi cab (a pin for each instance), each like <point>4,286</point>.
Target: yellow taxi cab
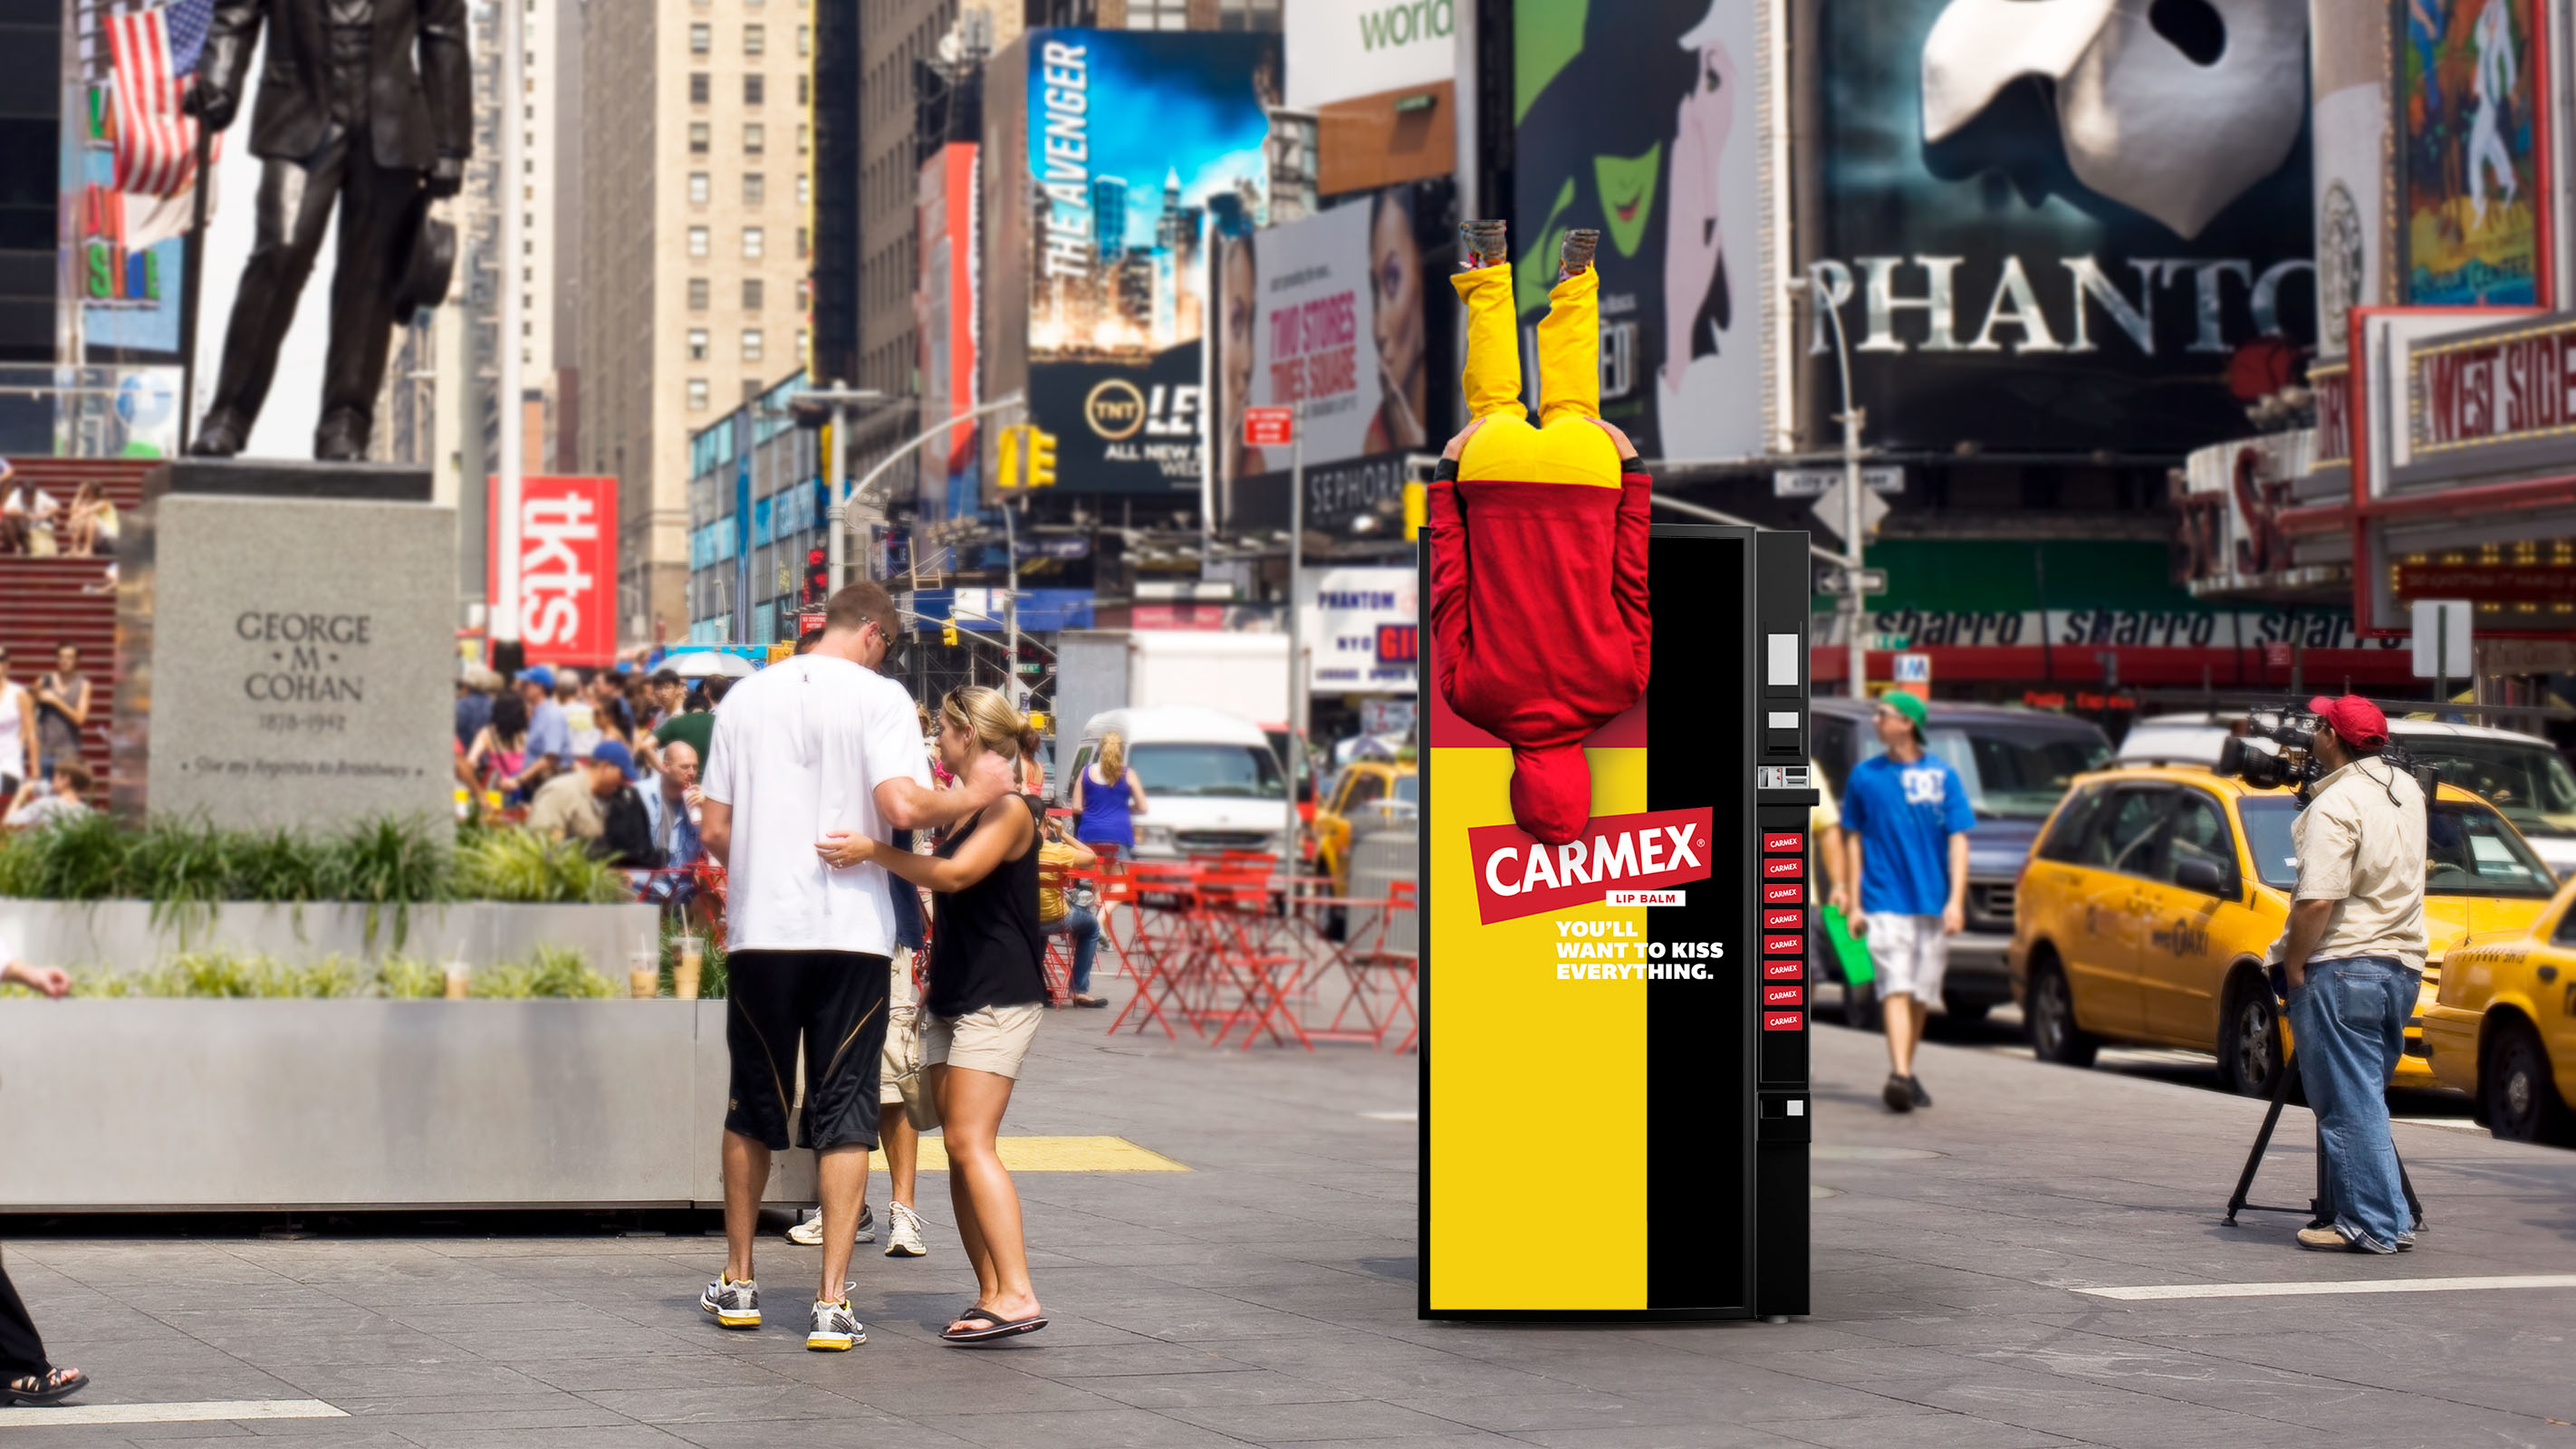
<point>2502,1028</point>
<point>1376,788</point>
<point>2153,892</point>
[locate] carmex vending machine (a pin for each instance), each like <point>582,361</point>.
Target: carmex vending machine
<point>1616,1007</point>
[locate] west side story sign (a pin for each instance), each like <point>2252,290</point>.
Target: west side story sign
<point>310,688</point>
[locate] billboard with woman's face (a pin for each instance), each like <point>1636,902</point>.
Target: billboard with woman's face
<point>1333,314</point>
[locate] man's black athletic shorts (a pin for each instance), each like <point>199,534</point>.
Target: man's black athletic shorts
<point>832,1001</point>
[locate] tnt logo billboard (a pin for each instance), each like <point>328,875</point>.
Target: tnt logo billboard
<point>567,568</point>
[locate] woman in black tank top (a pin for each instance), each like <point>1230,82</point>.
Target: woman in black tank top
<point>986,988</point>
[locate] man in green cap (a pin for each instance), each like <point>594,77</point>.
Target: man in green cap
<point>1906,819</point>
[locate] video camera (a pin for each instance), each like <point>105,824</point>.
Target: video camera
<point>2292,760</point>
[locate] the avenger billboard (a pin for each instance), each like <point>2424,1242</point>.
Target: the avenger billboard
<point>2052,226</point>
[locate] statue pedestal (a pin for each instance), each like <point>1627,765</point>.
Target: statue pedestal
<point>286,653</point>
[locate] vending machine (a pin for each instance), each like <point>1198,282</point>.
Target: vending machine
<point>1618,1016</point>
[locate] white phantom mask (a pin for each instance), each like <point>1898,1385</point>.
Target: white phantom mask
<point>2177,128</point>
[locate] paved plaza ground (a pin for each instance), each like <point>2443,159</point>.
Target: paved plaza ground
<point>1266,1296</point>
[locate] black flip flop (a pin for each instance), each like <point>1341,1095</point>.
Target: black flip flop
<point>51,1390</point>
<point>1001,1327</point>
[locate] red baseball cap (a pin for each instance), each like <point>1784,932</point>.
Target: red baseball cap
<point>2356,720</point>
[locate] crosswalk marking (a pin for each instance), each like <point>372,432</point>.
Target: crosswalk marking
<point>201,1412</point>
<point>2163,1292</point>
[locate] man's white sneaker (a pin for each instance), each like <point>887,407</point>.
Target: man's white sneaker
<point>808,1231</point>
<point>734,1304</point>
<point>903,1232</point>
<point>835,1328</point>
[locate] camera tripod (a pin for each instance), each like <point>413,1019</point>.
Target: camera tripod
<point>2320,1209</point>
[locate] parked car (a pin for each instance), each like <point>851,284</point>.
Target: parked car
<point>2156,891</point>
<point>1211,783</point>
<point>2521,775</point>
<point>2016,764</point>
<point>1367,794</point>
<point>2502,1027</point>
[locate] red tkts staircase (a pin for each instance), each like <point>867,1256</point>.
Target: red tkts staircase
<point>43,603</point>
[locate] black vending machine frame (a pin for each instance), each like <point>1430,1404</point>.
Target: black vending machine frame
<point>1776,1103</point>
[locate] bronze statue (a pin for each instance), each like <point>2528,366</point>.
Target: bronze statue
<point>346,114</point>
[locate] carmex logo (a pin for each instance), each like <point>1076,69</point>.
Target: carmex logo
<point>1115,409</point>
<point>1783,945</point>
<point>1783,1020</point>
<point>1791,995</point>
<point>1782,970</point>
<point>1781,894</point>
<point>1782,920</point>
<point>1777,843</point>
<point>1782,867</point>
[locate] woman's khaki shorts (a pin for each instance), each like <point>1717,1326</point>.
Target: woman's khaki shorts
<point>987,1039</point>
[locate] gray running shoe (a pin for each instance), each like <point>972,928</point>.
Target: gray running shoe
<point>903,1233</point>
<point>1480,244</point>
<point>734,1304</point>
<point>1576,252</point>
<point>835,1328</point>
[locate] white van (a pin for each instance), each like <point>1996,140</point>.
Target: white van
<point>1211,781</point>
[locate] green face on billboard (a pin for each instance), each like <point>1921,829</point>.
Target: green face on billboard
<point>1627,194</point>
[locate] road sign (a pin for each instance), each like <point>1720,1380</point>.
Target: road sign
<point>1829,510</point>
<point>2442,638</point>
<point>1812,482</point>
<point>1839,581</point>
<point>1888,642</point>
<point>1269,427</point>
<point>1914,669</point>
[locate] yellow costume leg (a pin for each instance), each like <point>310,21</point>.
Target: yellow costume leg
<point>1569,349</point>
<point>1492,376</point>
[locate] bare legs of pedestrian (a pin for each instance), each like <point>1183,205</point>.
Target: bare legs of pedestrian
<point>1904,1017</point>
<point>902,1151</point>
<point>840,1176</point>
<point>980,1190</point>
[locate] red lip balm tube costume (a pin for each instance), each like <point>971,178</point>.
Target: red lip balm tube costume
<point>1539,607</point>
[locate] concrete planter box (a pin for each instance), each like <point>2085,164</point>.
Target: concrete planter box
<point>183,1105</point>
<point>122,936</point>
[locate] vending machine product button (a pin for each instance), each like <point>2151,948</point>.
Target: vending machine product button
<point>1784,945</point>
<point>1783,1020</point>
<point>1782,969</point>
<point>1780,892</point>
<point>1785,867</point>
<point>1794,994</point>
<point>1783,842</point>
<point>1778,920</point>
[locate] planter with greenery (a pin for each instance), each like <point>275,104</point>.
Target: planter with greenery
<point>92,895</point>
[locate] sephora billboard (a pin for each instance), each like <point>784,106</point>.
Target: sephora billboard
<point>2053,226</point>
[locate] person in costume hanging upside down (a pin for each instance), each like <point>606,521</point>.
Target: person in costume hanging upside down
<point>1539,608</point>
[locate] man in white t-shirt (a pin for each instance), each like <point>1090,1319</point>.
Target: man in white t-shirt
<point>808,746</point>
<point>17,732</point>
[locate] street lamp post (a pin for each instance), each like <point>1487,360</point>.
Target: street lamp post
<point>1296,669</point>
<point>835,466</point>
<point>1851,417</point>
<point>504,614</point>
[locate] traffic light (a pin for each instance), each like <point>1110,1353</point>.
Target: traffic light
<point>1006,463</point>
<point>818,576</point>
<point>1041,458</point>
<point>948,632</point>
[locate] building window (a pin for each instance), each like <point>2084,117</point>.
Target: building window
<point>1158,14</point>
<point>755,88</point>
<point>804,40</point>
<point>804,89</point>
<point>804,190</point>
<point>751,344</point>
<point>697,294</point>
<point>697,394</point>
<point>800,241</point>
<point>699,84</point>
<point>804,138</point>
<point>701,38</point>
<point>755,188</point>
<point>697,241</point>
<point>698,187</point>
<point>800,343</point>
<point>755,40</point>
<point>698,138</point>
<point>751,294</point>
<point>753,139</point>
<point>1247,14</point>
<point>697,344</point>
<point>751,242</point>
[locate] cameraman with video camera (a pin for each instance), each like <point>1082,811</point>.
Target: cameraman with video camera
<point>2352,959</point>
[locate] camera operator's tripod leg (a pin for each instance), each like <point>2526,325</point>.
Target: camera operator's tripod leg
<point>2263,1141</point>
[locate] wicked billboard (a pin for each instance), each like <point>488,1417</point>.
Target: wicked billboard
<point>1111,154</point>
<point>2058,238</point>
<point>1638,120</point>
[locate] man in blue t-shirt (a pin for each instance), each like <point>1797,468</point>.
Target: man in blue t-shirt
<point>1906,820</point>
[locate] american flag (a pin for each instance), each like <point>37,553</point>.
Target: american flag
<point>154,54</point>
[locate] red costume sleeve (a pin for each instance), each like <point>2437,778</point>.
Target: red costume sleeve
<point>1448,541</point>
<point>1628,581</point>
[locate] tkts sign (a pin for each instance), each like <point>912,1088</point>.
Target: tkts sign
<point>2495,389</point>
<point>567,568</point>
